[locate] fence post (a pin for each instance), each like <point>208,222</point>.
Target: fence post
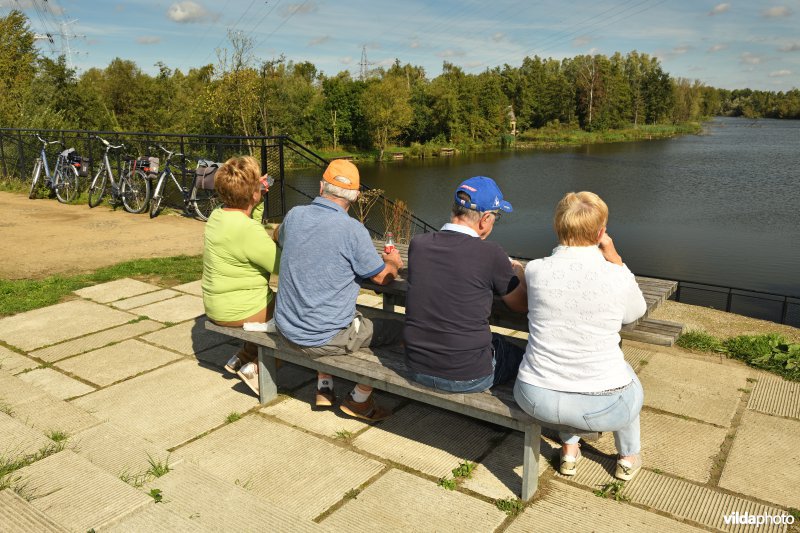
<point>785,310</point>
<point>678,293</point>
<point>21,159</point>
<point>3,156</point>
<point>730,298</point>
<point>282,174</point>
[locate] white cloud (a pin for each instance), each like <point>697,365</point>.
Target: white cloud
<point>414,44</point>
<point>188,11</point>
<point>792,47</point>
<point>682,49</point>
<point>583,40</point>
<point>718,47</point>
<point>776,12</point>
<point>780,73</point>
<point>148,39</point>
<point>499,36</point>
<point>719,9</point>
<point>750,59</point>
<point>451,53</point>
<point>302,8</point>
<point>346,60</point>
<point>319,40</point>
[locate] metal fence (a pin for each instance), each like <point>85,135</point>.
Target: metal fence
<point>295,168</point>
<point>771,306</point>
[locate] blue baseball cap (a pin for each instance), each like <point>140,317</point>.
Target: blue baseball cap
<point>484,195</point>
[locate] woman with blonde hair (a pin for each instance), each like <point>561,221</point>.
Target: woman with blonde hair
<point>573,376</point>
<point>238,259</point>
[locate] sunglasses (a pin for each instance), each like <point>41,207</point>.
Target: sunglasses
<point>496,214</point>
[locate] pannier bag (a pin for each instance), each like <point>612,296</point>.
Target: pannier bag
<point>205,174</point>
<point>148,165</point>
<point>80,164</point>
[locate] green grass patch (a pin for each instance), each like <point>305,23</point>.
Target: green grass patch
<point>445,483</point>
<point>10,465</point>
<point>464,470</point>
<point>771,352</point>
<point>343,434</point>
<point>157,468</point>
<point>156,494</point>
<point>17,296</point>
<point>57,436</point>
<point>510,506</point>
<point>233,417</point>
<point>613,490</point>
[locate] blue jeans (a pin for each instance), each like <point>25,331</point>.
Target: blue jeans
<point>505,365</point>
<point>573,412</point>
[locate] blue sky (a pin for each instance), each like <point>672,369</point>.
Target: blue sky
<point>731,44</point>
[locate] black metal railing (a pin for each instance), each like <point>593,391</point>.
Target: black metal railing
<point>771,306</point>
<point>295,168</point>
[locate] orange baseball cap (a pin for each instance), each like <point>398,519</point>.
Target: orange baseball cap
<point>345,169</point>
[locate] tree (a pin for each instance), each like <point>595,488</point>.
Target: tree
<point>387,109</point>
<point>18,65</point>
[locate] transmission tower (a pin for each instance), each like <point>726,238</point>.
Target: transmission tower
<point>364,64</point>
<point>67,35</point>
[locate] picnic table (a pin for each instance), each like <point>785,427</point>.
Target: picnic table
<point>645,329</point>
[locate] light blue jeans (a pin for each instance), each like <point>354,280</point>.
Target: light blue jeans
<point>572,412</point>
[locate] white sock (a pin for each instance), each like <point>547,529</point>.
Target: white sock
<point>358,395</point>
<point>325,382</point>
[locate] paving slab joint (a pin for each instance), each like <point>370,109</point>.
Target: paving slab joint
<point>351,494</point>
<point>718,461</point>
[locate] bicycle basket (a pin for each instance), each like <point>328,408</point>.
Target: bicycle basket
<point>205,175</point>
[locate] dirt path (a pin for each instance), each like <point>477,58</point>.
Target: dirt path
<point>44,237</point>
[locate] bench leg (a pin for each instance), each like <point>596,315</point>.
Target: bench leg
<point>388,302</point>
<point>267,376</point>
<point>530,462</point>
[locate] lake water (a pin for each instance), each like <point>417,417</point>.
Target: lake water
<point>722,207</point>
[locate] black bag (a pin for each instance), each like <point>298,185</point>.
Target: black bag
<point>205,175</point>
<point>80,164</point>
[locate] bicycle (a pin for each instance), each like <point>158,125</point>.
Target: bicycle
<point>64,180</point>
<point>133,190</point>
<point>201,198</point>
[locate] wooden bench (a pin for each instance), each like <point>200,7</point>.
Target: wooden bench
<point>385,369</point>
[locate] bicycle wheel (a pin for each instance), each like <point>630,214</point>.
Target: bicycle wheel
<point>204,202</point>
<point>135,192</point>
<point>37,170</point>
<point>98,188</point>
<point>155,201</point>
<point>66,183</point>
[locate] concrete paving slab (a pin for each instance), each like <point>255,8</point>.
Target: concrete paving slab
<point>170,405</point>
<point>370,300</point>
<point>428,439</point>
<point>704,390</point>
<point>765,459</point>
<point>155,518</point>
<point>77,494</point>
<point>188,338</point>
<point>50,414</point>
<point>19,516</point>
<point>57,323</point>
<point>120,453</point>
<point>116,290</point>
<point>193,287</point>
<point>176,309</point>
<point>55,383</point>
<point>145,299</point>
<point>298,410</point>
<point>677,497</point>
<point>18,440</point>
<point>117,362</point>
<point>218,505</point>
<point>217,356</point>
<point>682,447</point>
<point>301,473</point>
<point>290,377</point>
<point>15,392</point>
<point>636,356</point>
<point>499,474</point>
<point>776,396</point>
<point>95,340</point>
<point>399,501</point>
<point>551,513</point>
<point>14,363</point>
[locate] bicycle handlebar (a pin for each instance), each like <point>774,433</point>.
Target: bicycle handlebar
<point>170,155</point>
<point>108,144</point>
<point>47,143</point>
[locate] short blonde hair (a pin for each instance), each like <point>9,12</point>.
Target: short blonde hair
<point>579,218</point>
<point>237,180</point>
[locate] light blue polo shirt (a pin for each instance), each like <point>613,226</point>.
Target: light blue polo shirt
<point>325,254</point>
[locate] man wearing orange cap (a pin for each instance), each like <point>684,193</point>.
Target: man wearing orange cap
<point>325,254</point>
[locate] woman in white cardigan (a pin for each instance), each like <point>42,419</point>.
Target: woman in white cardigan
<point>573,377</point>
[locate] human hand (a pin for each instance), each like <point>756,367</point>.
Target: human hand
<point>608,250</point>
<point>393,258</point>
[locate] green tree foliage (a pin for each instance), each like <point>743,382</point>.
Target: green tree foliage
<point>246,95</point>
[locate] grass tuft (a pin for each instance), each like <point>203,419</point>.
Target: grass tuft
<point>464,470</point>
<point>157,468</point>
<point>510,506</point>
<point>233,417</point>
<point>352,494</point>
<point>57,436</point>
<point>700,341</point>
<point>343,434</point>
<point>445,483</point>
<point>612,489</point>
<point>156,495</point>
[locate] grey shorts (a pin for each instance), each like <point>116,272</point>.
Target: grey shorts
<point>362,332</point>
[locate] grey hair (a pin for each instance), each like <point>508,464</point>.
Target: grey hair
<point>459,211</point>
<point>329,189</point>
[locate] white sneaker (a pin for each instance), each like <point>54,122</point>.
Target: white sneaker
<point>626,470</point>
<point>569,464</point>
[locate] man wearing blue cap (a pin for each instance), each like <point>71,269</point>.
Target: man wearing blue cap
<point>453,275</point>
